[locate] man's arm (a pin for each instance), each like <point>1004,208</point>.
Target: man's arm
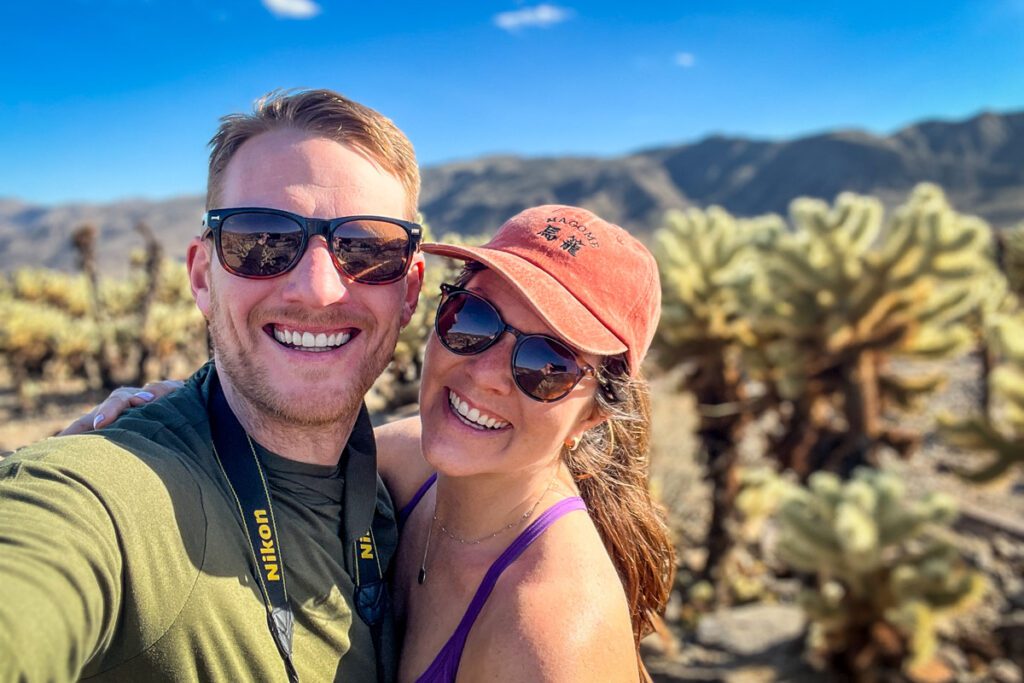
<point>60,567</point>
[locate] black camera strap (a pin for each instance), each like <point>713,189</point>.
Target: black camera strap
<point>246,480</point>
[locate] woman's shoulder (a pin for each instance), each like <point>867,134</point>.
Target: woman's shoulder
<point>567,565</point>
<point>559,612</point>
<point>400,460</point>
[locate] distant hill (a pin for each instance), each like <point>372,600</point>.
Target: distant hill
<point>979,161</point>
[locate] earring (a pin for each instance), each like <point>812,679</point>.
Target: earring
<point>573,443</point>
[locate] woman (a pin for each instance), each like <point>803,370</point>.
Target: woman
<point>530,470</point>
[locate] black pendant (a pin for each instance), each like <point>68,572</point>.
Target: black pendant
<point>422,576</point>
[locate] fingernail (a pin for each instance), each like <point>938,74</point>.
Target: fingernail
<point>144,395</point>
<point>97,420</point>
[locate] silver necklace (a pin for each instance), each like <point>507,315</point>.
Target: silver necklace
<point>422,576</point>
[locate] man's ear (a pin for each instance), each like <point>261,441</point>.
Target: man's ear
<point>413,285</point>
<point>198,260</point>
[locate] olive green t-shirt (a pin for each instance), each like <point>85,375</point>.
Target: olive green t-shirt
<point>122,557</point>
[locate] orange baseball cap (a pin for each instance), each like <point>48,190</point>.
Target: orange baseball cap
<point>595,285</point>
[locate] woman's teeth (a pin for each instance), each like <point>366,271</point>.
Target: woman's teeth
<point>307,341</point>
<point>472,416</point>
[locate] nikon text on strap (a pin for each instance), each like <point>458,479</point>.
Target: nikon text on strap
<point>244,474</point>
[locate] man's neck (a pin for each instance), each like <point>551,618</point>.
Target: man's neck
<point>318,445</point>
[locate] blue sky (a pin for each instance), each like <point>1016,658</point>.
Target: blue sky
<point>104,99</point>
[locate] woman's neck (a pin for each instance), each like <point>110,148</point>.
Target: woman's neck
<point>476,508</point>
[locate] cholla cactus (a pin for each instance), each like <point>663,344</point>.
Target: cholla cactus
<point>36,337</point>
<point>1012,257</point>
<point>711,282</point>
<point>712,288</point>
<point>54,323</point>
<point>847,296</point>
<point>149,324</point>
<point>66,292</point>
<point>811,316</point>
<point>883,569</point>
<point>998,433</point>
<point>175,337</point>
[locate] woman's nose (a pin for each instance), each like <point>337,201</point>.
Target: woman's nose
<point>492,368</point>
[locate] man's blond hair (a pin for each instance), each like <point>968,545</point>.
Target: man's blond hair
<point>324,113</point>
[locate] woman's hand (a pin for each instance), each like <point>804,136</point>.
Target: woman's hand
<point>119,401</point>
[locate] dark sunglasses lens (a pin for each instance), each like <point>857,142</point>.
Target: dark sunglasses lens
<point>371,251</point>
<point>466,324</point>
<point>259,244</point>
<point>544,368</point>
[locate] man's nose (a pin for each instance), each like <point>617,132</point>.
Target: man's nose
<point>315,281</point>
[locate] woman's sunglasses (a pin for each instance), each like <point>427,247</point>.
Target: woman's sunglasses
<point>544,368</point>
<point>262,243</point>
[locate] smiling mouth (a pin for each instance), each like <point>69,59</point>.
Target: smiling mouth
<point>307,340</point>
<point>472,417</point>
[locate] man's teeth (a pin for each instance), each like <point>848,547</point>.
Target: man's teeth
<point>308,340</point>
<point>473,416</point>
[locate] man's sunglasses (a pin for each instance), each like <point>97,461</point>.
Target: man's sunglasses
<point>544,368</point>
<point>261,243</point>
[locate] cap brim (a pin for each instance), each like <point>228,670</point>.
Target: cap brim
<point>556,305</point>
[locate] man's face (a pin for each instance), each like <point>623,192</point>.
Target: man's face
<point>315,177</point>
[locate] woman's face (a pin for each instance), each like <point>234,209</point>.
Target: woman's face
<point>523,434</point>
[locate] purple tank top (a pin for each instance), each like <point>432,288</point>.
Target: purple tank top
<point>445,666</point>
<point>404,513</point>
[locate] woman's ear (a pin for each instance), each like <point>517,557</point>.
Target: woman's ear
<point>589,420</point>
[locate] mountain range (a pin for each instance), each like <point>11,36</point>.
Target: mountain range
<point>979,161</point>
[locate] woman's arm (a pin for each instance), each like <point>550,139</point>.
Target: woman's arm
<point>119,401</point>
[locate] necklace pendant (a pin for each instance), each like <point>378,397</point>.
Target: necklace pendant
<point>422,576</point>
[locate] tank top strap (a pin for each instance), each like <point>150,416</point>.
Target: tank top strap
<point>445,665</point>
<point>404,513</point>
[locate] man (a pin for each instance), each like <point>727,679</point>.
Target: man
<point>237,530</point>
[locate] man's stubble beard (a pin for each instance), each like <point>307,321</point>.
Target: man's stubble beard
<point>249,378</point>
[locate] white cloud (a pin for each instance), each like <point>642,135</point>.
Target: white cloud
<point>293,9</point>
<point>685,59</point>
<point>540,16</point>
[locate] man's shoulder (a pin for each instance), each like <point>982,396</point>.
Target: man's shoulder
<point>179,420</point>
<point>93,452</point>
<point>124,474</point>
<point>164,444</point>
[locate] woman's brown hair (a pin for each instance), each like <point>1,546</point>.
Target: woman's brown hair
<point>610,467</point>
